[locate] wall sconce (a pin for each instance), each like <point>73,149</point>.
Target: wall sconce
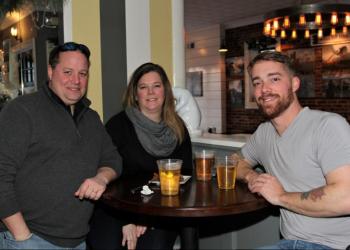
<point>14,32</point>
<point>223,47</point>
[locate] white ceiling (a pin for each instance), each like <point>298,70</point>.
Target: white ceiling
<point>230,13</point>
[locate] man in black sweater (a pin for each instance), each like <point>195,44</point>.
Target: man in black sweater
<point>55,157</point>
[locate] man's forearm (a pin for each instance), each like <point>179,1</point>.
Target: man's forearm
<point>323,201</point>
<point>107,174</point>
<point>331,199</point>
<point>17,226</point>
<point>245,171</point>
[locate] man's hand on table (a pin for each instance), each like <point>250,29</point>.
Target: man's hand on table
<point>267,186</point>
<point>91,188</point>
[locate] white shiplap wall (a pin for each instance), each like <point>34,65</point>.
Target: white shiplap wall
<point>206,58</point>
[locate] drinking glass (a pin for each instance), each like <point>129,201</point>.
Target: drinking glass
<point>169,175</point>
<point>226,169</point>
<point>204,164</point>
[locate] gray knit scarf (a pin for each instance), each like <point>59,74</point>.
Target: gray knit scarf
<point>156,138</point>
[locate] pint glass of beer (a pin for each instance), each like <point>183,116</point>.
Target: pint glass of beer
<point>204,163</point>
<point>226,169</point>
<point>169,175</point>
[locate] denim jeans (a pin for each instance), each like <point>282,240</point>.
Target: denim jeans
<point>296,244</point>
<point>34,242</point>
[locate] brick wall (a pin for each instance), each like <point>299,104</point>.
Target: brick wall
<point>241,120</point>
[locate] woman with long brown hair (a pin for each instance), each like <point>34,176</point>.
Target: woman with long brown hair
<point>147,130</point>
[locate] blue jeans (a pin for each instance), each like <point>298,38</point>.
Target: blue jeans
<point>34,242</point>
<point>296,244</point>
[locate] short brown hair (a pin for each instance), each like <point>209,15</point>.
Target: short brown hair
<point>273,56</point>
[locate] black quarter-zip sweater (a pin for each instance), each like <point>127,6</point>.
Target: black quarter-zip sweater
<point>45,155</point>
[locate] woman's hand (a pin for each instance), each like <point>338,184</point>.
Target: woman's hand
<point>129,236</point>
<point>140,230</point>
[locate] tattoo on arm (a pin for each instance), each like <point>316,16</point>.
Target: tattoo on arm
<point>314,194</point>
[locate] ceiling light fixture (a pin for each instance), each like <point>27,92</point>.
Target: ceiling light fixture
<point>307,20</point>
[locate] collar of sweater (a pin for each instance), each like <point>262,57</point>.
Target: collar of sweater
<point>79,107</point>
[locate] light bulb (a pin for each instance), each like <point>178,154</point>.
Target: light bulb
<point>302,20</point>
<point>345,30</point>
<point>273,33</point>
<point>283,34</point>
<point>333,31</point>
<point>347,19</point>
<point>320,33</point>
<point>334,18</point>
<point>267,29</point>
<point>14,31</point>
<point>318,19</point>
<point>286,22</point>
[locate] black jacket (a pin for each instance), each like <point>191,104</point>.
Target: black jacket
<point>44,157</point>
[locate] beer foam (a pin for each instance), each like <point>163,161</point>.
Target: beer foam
<point>205,155</point>
<point>172,166</point>
<point>209,155</point>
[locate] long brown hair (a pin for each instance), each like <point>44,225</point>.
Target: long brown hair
<point>169,115</point>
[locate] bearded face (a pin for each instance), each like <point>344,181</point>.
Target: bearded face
<point>272,110</point>
<point>273,88</point>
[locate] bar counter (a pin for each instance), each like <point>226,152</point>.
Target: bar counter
<point>223,140</point>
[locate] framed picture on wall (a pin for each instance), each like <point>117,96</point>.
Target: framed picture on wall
<point>194,83</point>
<point>336,70</point>
<point>235,67</point>
<point>249,100</point>
<point>304,60</point>
<point>235,93</point>
<point>235,81</point>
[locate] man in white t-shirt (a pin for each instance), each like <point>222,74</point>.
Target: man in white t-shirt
<point>306,154</point>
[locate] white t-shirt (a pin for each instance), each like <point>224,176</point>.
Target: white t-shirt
<point>315,143</point>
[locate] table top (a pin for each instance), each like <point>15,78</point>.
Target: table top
<point>195,199</point>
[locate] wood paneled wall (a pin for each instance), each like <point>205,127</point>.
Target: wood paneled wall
<point>204,56</point>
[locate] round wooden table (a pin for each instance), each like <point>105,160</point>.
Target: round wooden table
<point>195,199</point>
